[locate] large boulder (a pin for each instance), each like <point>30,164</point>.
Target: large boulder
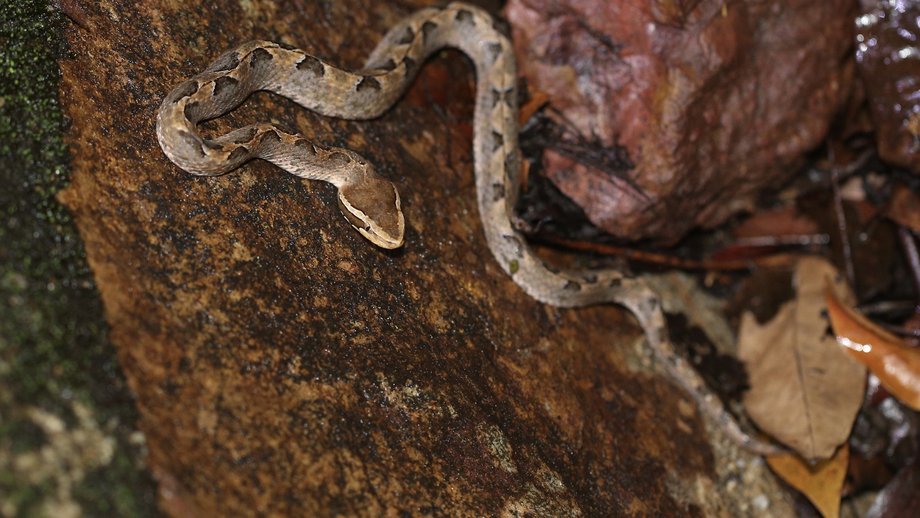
<point>712,100</point>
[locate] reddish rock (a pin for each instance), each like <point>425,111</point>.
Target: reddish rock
<point>713,100</point>
<point>889,63</point>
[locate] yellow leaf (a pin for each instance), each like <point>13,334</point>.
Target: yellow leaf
<point>896,365</point>
<point>821,483</point>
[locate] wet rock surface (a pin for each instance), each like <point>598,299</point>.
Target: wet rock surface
<point>712,101</point>
<point>283,365</point>
<point>889,62</point>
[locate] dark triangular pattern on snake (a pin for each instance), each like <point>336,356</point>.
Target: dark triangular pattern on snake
<point>371,204</point>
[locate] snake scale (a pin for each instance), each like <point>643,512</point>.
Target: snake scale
<point>370,203</point>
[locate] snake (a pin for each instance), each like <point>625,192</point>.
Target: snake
<point>369,202</point>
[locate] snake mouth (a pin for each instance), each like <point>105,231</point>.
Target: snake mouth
<point>381,240</point>
<point>374,233</point>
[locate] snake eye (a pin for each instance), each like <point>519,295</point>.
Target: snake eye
<point>352,218</point>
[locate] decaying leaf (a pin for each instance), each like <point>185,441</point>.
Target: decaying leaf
<point>821,483</point>
<point>804,391</point>
<point>896,365</point>
<point>786,221</point>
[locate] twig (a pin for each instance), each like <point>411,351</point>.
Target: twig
<point>913,259</point>
<point>850,169</point>
<point>887,307</point>
<point>901,331</point>
<point>894,309</point>
<point>841,220</point>
<point>784,240</point>
<point>589,152</point>
<point>669,260</point>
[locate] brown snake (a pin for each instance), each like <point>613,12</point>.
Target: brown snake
<point>370,203</point>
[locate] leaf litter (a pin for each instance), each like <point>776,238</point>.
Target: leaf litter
<point>851,211</point>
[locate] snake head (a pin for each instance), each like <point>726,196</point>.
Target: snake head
<point>372,206</point>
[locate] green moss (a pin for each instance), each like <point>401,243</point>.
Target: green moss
<point>55,360</point>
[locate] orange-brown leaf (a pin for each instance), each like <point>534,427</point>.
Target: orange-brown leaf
<point>821,483</point>
<point>896,365</point>
<point>538,100</point>
<point>904,207</point>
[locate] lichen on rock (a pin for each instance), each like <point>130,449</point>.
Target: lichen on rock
<point>57,368</point>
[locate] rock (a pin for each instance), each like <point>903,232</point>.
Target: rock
<point>285,366</point>
<point>68,442</point>
<point>889,63</point>
<point>712,100</point>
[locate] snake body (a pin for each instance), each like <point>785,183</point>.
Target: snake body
<point>371,204</point>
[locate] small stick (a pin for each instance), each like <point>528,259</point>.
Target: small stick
<point>913,259</point>
<point>841,220</point>
<point>669,260</point>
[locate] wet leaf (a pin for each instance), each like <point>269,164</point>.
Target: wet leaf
<point>821,483</point>
<point>904,207</point>
<point>804,391</point>
<point>896,365</point>
<point>786,221</point>
<point>901,497</point>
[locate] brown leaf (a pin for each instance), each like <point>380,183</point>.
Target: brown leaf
<point>896,365</point>
<point>821,483</point>
<point>904,207</point>
<point>786,221</point>
<point>804,391</point>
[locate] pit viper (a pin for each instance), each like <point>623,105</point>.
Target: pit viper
<point>370,203</point>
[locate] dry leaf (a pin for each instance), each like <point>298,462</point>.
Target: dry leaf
<point>821,483</point>
<point>896,365</point>
<point>804,391</point>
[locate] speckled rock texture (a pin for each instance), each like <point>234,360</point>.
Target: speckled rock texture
<point>68,446</point>
<point>284,366</point>
<point>889,63</point>
<point>712,100</point>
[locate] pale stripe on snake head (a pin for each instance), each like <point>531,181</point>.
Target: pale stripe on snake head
<point>370,203</point>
